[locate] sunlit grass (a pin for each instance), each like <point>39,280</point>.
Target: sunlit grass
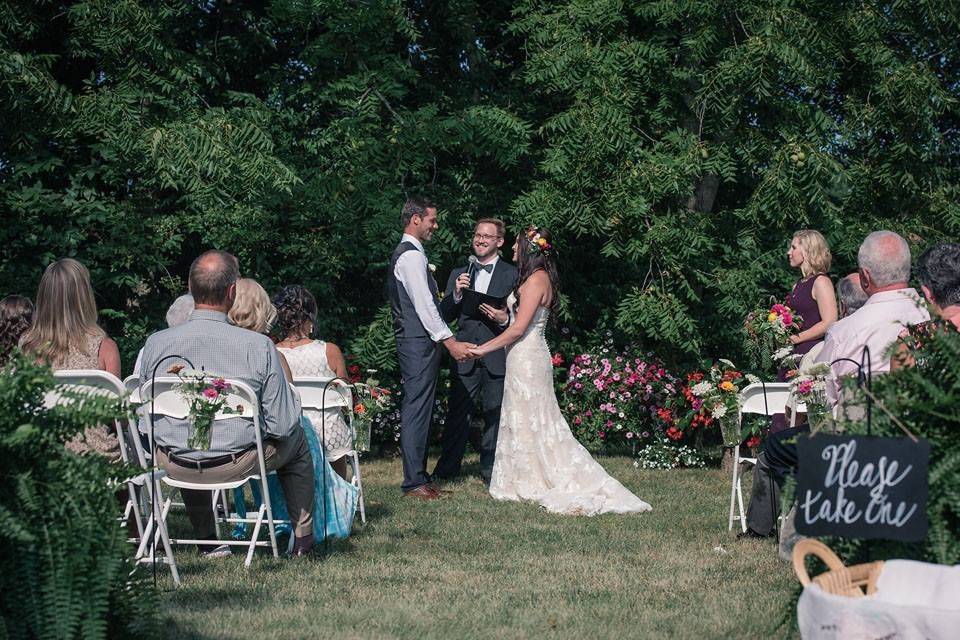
<point>469,567</point>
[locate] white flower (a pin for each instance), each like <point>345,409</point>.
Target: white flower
<point>432,267</point>
<point>752,379</point>
<point>719,411</point>
<point>702,388</point>
<point>782,353</point>
<point>727,362</point>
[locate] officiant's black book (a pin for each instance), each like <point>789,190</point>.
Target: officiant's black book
<point>471,301</point>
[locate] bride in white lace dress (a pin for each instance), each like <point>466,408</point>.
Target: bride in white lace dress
<point>537,457</point>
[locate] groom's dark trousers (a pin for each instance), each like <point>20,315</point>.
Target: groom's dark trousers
<point>419,360</point>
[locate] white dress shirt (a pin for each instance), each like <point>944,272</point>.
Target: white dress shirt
<point>876,325</point>
<point>412,271</point>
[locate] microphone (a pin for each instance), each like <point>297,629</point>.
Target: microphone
<point>472,263</point>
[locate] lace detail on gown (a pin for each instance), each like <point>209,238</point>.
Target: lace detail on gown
<point>311,360</point>
<point>538,458</point>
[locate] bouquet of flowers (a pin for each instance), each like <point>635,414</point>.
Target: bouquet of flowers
<point>370,400</point>
<point>809,386</point>
<point>206,396</point>
<point>768,333</point>
<point>713,397</point>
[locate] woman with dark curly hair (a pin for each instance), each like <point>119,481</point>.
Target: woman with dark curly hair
<point>537,456</point>
<point>16,314</point>
<point>938,270</point>
<point>297,320</point>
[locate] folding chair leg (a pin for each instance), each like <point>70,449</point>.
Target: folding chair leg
<point>256,534</point>
<point>355,460</point>
<point>271,527</point>
<point>733,485</point>
<point>214,499</point>
<point>134,506</point>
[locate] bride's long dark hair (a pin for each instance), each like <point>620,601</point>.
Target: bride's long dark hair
<point>530,260</point>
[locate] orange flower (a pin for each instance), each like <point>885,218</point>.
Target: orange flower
<point>726,385</point>
<point>360,409</point>
<point>175,369</point>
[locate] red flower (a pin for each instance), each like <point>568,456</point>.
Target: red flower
<point>556,360</point>
<point>674,434</point>
<point>753,441</point>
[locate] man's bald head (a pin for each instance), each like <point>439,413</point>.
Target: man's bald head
<point>212,275</point>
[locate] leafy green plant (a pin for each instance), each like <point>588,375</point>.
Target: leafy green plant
<point>65,565</point>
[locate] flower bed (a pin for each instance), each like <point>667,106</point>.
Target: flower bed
<point>617,399</point>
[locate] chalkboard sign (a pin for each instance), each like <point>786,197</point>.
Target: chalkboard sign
<point>862,487</point>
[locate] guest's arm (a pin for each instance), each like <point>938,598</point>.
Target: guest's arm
<point>336,361</point>
<point>826,300</point>
<point>286,368</point>
<point>109,357</point>
<point>533,294</point>
<point>279,404</point>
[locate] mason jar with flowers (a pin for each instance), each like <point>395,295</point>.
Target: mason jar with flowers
<point>206,397</point>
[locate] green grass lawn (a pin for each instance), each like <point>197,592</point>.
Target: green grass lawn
<point>469,567</point>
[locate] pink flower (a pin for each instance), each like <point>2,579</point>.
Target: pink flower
<point>805,387</point>
<point>787,319</point>
<point>577,420</point>
<point>629,435</point>
<point>210,393</point>
<point>577,386</point>
<point>220,384</point>
<point>588,413</point>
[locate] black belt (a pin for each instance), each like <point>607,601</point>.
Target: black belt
<point>203,463</point>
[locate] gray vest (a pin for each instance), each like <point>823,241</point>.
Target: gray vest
<point>406,323</point>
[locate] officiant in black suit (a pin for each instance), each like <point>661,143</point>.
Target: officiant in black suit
<point>488,274</point>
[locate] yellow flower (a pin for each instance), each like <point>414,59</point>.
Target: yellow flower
<point>726,385</point>
<point>542,242</point>
<point>772,317</point>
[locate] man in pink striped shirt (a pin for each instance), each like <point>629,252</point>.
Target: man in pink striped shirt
<point>884,267</point>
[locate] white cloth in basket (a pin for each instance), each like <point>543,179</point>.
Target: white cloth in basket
<point>914,600</point>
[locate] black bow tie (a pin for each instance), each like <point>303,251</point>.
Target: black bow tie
<point>485,267</point>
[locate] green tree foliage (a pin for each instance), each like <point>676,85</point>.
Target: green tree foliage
<point>672,145</point>
<point>64,560</point>
<point>688,139</point>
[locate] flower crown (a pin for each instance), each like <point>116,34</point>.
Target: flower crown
<point>538,243</point>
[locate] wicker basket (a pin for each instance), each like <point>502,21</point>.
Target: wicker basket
<point>854,582</point>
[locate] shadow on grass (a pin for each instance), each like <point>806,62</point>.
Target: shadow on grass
<point>175,629</point>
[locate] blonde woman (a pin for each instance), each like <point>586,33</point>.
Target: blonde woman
<point>335,499</point>
<point>253,310</point>
<point>65,335</point>
<point>812,297</point>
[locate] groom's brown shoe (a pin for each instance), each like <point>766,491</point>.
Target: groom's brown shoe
<point>423,492</point>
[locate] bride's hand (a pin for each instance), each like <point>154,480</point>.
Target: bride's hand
<point>474,352</point>
<point>499,316</point>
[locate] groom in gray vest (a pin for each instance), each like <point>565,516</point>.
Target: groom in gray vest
<point>488,274</point>
<point>419,328</point>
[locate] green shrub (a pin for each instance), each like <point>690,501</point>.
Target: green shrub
<point>65,564</point>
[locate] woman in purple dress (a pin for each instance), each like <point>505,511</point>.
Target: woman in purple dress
<point>812,297</point>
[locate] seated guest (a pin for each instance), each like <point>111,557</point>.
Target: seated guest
<point>850,295</point>
<point>16,314</point>
<point>335,499</point>
<point>297,313</point>
<point>178,313</point>
<point>884,261</point>
<point>939,274</point>
<point>65,335</point>
<point>211,343</point>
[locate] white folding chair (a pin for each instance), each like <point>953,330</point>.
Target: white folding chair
<point>167,401</point>
<point>104,383</point>
<point>762,398</point>
<point>318,394</point>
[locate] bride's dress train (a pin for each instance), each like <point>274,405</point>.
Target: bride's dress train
<point>537,458</point>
